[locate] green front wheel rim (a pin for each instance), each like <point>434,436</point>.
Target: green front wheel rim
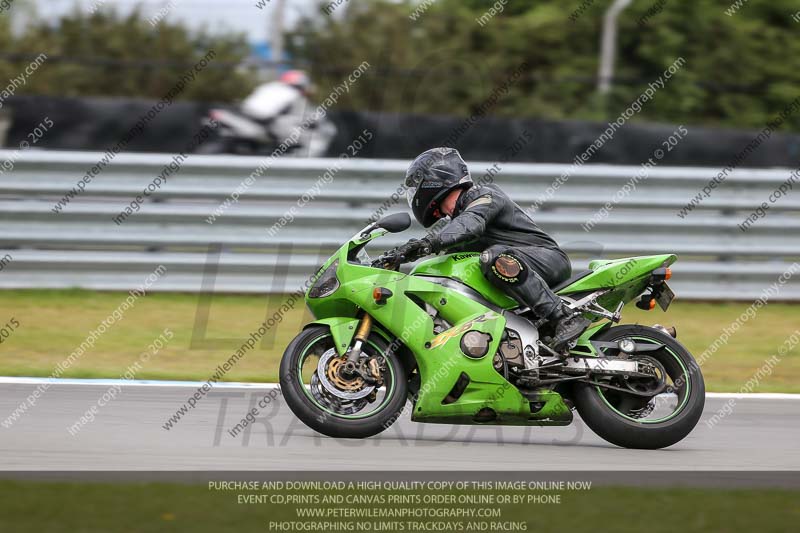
<point>380,408</point>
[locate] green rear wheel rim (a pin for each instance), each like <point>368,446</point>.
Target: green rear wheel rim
<point>672,415</point>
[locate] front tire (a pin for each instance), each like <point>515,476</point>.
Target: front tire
<point>617,417</point>
<point>336,418</point>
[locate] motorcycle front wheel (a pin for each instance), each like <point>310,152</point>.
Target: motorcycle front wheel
<point>329,401</point>
<point>633,421</point>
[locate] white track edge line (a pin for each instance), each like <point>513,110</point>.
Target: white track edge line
<point>234,385</point>
<point>133,383</point>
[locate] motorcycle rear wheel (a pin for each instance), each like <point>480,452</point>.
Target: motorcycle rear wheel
<point>617,417</point>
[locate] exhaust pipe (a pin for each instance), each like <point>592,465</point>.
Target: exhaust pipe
<point>671,331</point>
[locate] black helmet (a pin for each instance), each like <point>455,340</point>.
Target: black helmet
<point>431,177</point>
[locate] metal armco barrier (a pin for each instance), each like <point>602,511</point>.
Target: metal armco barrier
<point>82,246</point>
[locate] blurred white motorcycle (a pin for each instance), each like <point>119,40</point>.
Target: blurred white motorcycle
<point>275,113</point>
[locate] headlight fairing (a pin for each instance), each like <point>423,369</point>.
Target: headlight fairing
<point>326,283</point>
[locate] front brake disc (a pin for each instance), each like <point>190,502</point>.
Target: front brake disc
<point>331,380</point>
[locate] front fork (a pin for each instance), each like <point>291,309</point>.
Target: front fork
<point>362,333</point>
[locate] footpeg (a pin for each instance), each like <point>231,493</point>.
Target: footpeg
<point>551,351</point>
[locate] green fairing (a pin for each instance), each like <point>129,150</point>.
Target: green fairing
<point>439,358</point>
<point>618,273</point>
<point>628,277</point>
<point>343,329</point>
<point>465,267</point>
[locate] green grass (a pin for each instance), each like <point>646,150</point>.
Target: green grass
<point>43,507</point>
<point>54,323</point>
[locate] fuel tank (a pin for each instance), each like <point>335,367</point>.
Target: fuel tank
<point>465,268</point>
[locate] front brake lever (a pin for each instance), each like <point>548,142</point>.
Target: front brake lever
<point>384,261</point>
<point>389,260</point>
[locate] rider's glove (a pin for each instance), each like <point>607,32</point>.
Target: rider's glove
<point>414,249</point>
<point>433,244</point>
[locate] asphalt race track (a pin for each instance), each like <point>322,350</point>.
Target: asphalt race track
<point>128,434</point>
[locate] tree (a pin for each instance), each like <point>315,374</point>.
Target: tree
<point>740,70</point>
<point>107,54</point>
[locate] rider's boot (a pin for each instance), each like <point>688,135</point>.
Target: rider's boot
<point>568,327</point>
<point>505,269</point>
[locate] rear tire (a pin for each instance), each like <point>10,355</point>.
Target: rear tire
<point>617,428</point>
<point>314,415</point>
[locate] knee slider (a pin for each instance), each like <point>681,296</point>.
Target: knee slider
<point>501,264</point>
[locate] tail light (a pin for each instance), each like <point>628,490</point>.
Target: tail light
<point>646,302</point>
<point>662,274</point>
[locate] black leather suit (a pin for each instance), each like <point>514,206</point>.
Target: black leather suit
<point>516,255</point>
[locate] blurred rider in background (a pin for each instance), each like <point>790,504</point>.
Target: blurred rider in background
<point>284,106</point>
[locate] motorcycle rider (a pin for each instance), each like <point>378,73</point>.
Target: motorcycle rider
<point>516,255</point>
<point>284,106</point>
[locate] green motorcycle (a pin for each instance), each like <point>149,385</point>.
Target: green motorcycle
<point>463,352</point>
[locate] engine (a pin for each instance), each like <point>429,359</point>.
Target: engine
<point>510,350</point>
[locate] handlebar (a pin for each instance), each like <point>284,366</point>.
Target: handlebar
<point>389,260</point>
